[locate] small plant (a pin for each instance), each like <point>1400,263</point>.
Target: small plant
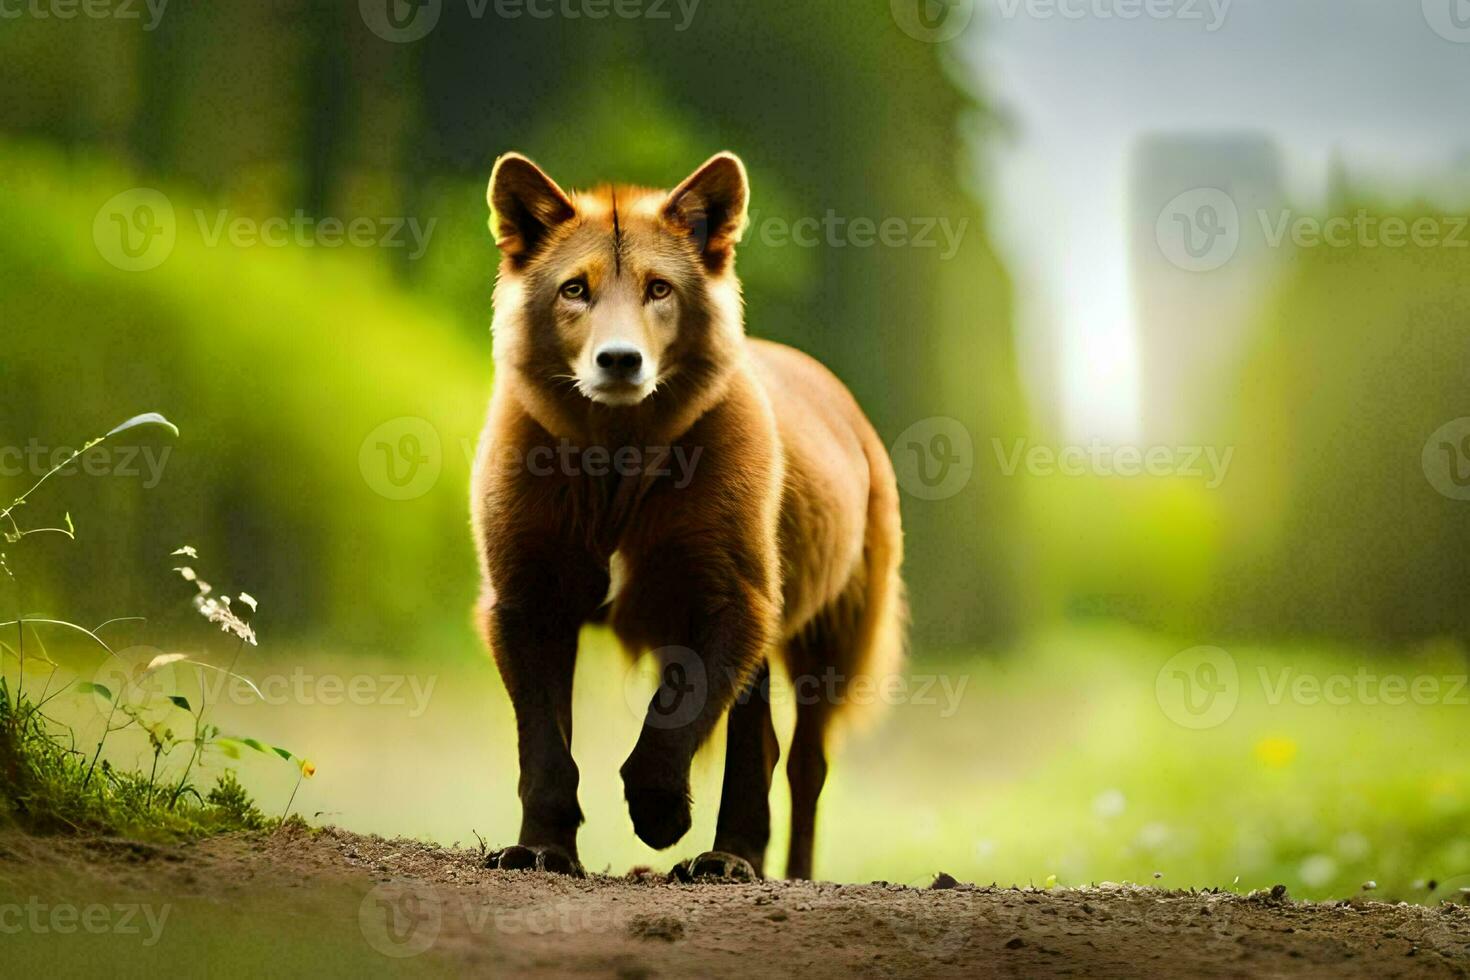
<point>221,611</point>
<point>50,783</point>
<point>216,611</point>
<point>14,534</point>
<point>231,800</point>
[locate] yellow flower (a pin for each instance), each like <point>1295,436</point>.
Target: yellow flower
<point>1276,751</point>
<point>308,768</point>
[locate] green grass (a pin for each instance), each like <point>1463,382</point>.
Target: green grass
<point>1062,762</point>
<point>1056,759</point>
<point>48,784</point>
<point>52,781</point>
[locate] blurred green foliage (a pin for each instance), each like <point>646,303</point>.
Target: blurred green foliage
<point>1334,526</point>
<point>281,365</point>
<point>1328,523</point>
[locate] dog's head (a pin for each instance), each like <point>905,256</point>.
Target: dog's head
<point>612,295</point>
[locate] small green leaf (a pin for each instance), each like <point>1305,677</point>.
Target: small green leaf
<point>87,687</point>
<point>180,701</point>
<point>283,753</point>
<point>147,418</point>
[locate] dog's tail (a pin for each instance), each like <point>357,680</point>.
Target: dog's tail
<point>879,641</point>
<point>847,655</point>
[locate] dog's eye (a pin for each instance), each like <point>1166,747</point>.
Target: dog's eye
<point>659,289</point>
<point>574,289</point>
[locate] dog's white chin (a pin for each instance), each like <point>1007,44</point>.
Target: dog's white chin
<point>619,397</point>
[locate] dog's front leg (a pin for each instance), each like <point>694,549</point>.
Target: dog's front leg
<point>532,627</point>
<point>710,626</point>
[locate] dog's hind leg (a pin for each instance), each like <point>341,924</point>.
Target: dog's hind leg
<point>812,659</point>
<point>859,637</point>
<point>806,770</point>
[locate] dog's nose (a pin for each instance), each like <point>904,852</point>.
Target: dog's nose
<point>622,361</point>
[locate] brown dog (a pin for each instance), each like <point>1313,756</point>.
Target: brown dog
<point>713,498</point>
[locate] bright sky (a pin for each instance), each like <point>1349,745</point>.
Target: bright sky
<point>1383,81</point>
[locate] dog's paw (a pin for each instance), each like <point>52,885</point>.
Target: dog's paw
<point>661,817</point>
<point>520,857</point>
<point>714,866</point>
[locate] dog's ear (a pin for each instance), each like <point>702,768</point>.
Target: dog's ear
<point>710,207</point>
<point>525,204</point>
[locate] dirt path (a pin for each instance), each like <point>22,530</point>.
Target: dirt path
<point>340,903</point>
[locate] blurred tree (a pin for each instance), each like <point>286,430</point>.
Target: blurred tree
<point>1338,518</point>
